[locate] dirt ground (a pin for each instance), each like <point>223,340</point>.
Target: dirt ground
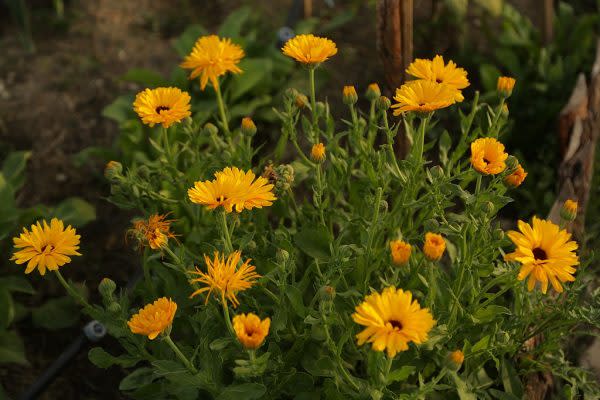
<point>51,103</point>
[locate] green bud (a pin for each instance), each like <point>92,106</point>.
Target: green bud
<point>210,129</point>
<point>320,108</point>
<point>106,288</point>
<point>512,163</point>
<point>248,128</point>
<point>282,256</point>
<point>290,94</point>
<point>498,234</point>
<point>373,92</point>
<point>251,246</point>
<point>437,172</point>
<point>113,170</point>
<point>383,103</point>
<point>349,95</point>
<point>488,207</point>
<point>114,307</point>
<point>327,293</point>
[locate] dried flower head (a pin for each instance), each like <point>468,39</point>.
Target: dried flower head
<point>153,232</point>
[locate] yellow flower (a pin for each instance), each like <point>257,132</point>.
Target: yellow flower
<point>250,330</point>
<point>457,357</point>
<point>317,153</point>
<point>224,277</point>
<point>155,232</point>
<point>393,320</point>
<point>505,85</point>
<point>436,71</point>
<point>212,57</point>
<point>488,156</point>
<point>233,188</point>
<point>400,251</point>
<point>309,49</point>
<point>516,177</point>
<point>248,126</point>
<point>569,210</point>
<point>434,246</point>
<point>46,246</point>
<point>422,96</point>
<point>153,319</point>
<point>162,106</point>
<point>545,252</point>
<point>349,95</point>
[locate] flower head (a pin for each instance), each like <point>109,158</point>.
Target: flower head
<point>309,49</point>
<point>232,189</point>
<point>422,96</point>
<point>545,252</point>
<point>248,126</point>
<point>113,169</point>
<point>317,153</point>
<point>162,106</point>
<point>212,57</point>
<point>505,85</point>
<point>46,246</point>
<point>516,178</point>
<point>250,330</point>
<point>349,95</point>
<point>224,277</point>
<point>400,251</point>
<point>373,92</point>
<point>392,320</point>
<point>488,156</point>
<point>436,71</point>
<point>153,319</point>
<point>154,232</point>
<point>434,246</point>
<point>457,357</point>
<point>569,210</point>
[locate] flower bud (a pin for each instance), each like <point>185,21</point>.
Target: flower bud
<point>512,163</point>
<point>383,103</point>
<point>282,256</point>
<point>284,177</point>
<point>350,96</point>
<point>320,106</point>
<point>456,358</point>
<point>106,288</point>
<point>113,170</point>
<point>248,127</point>
<point>498,234</point>
<point>114,307</point>
<point>210,129</point>
<point>327,293</point>
<point>301,100</point>
<point>569,210</point>
<point>437,172</point>
<point>488,207</point>
<point>505,86</point>
<point>290,94</point>
<point>317,152</point>
<point>373,92</point>
<point>434,246</point>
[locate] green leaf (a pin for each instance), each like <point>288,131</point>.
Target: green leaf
<point>502,395</point>
<point>510,379</point>
<point>119,110</point>
<point>74,211</point>
<point>138,378</point>
<point>184,43</point>
<point>490,313</point>
<point>255,72</point>
<point>56,314</point>
<point>102,359</point>
<point>489,76</point>
<point>445,144</point>
<point>401,374</point>
<point>246,391</point>
<point>232,26</point>
<point>11,348</point>
<point>7,309</point>
<point>295,296</point>
<point>463,390</point>
<point>16,284</point>
<point>145,77</point>
<point>13,168</point>
<point>314,242</point>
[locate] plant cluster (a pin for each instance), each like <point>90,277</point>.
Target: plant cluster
<point>330,268</point>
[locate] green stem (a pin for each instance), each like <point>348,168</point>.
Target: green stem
<point>378,197</point>
<point>388,368</point>
<point>313,95</point>
<point>420,141</point>
<point>147,276</point>
<point>252,355</point>
<point>225,232</point>
<point>72,292</point>
<point>299,150</point>
<point>222,113</point>
<point>319,194</point>
<point>167,147</point>
<point>494,128</point>
<point>226,316</point>
<point>180,355</point>
<point>478,184</point>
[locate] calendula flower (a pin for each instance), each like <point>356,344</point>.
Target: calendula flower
<point>437,71</point>
<point>317,153</point>
<point>488,156</point>
<point>224,277</point>
<point>349,95</point>
<point>309,49</point>
<point>373,92</point>
<point>46,246</point>
<point>154,232</point>
<point>162,106</point>
<point>250,330</point>
<point>212,57</point>
<point>545,252</point>
<point>569,210</point>
<point>248,127</point>
<point>457,357</point>
<point>392,320</point>
<point>505,85</point>
<point>434,246</point>
<point>232,189</point>
<point>153,319</point>
<point>516,177</point>
<point>400,251</point>
<point>422,96</point>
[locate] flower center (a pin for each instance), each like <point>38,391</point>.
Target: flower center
<point>250,332</point>
<point>485,160</point>
<point>47,249</point>
<point>421,104</point>
<point>539,254</point>
<point>396,324</point>
<point>159,109</point>
<point>438,80</point>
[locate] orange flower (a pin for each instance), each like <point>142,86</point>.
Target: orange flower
<point>434,246</point>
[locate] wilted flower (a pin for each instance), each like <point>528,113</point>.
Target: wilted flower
<point>153,232</point>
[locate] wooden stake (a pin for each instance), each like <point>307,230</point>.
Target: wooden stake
<point>548,22</point>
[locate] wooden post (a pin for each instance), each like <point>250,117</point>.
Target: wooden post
<point>548,22</point>
<point>308,8</point>
<point>395,40</point>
